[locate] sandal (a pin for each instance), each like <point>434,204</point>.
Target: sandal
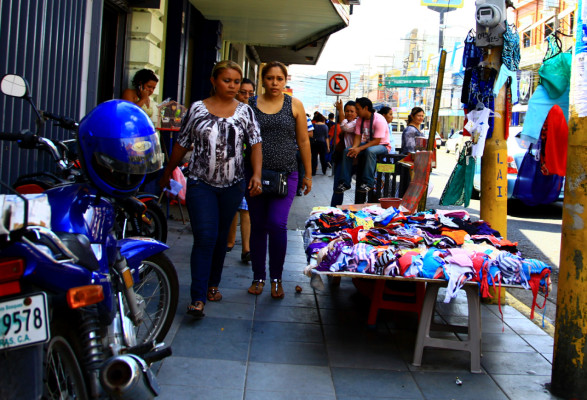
<point>256,287</point>
<point>277,289</point>
<point>214,294</point>
<point>196,309</point>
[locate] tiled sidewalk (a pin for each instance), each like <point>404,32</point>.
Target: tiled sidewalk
<point>316,345</point>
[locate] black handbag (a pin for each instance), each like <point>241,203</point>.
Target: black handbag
<point>274,183</point>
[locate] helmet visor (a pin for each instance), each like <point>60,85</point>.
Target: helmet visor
<point>138,156</point>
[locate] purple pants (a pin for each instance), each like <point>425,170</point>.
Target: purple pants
<point>269,220</point>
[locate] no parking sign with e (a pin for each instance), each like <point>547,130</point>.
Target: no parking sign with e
<point>338,83</point>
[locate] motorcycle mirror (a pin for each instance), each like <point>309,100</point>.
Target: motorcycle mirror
<point>14,85</point>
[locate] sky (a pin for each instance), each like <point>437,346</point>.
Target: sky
<point>375,33</point>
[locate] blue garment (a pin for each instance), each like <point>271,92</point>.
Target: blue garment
<point>368,158</point>
<point>538,108</point>
<point>211,210</point>
<point>510,54</point>
<point>504,74</point>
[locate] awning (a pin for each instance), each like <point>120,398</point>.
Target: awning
<point>536,24</point>
<point>293,32</point>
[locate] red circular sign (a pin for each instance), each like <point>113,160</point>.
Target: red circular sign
<point>338,83</point>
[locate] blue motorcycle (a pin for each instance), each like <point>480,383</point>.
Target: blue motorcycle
<point>83,314</point>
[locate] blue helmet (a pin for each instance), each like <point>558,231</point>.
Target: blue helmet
<point>119,146</point>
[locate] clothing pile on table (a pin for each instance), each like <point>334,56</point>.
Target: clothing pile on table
<point>436,244</point>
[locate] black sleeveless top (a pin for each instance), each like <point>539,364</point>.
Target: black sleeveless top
<point>278,132</point>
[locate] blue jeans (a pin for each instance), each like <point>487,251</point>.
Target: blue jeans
<point>367,159</point>
<point>211,210</point>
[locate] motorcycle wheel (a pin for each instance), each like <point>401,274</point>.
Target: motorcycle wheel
<point>63,377</point>
<point>158,293</point>
<point>156,227</point>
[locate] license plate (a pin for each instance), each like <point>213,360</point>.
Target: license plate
<point>23,321</point>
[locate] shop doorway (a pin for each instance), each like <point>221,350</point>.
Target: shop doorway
<point>112,51</point>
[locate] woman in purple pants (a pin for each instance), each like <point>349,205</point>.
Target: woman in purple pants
<point>283,125</point>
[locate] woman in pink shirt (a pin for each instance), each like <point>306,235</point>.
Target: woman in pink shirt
<point>371,139</point>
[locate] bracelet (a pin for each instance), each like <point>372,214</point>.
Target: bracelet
<point>310,179</point>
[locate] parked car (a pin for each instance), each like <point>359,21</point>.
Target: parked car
<point>456,142</point>
<point>439,141</point>
<point>517,148</point>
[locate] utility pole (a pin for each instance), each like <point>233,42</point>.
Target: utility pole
<point>434,118</point>
<point>494,174</point>
<point>569,367</point>
<point>441,11</point>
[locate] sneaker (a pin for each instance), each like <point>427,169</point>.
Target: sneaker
<point>364,188</point>
<point>299,192</point>
<point>341,188</point>
<point>246,257</point>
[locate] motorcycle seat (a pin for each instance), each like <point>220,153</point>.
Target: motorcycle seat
<point>80,245</point>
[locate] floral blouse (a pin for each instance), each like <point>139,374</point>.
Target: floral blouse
<point>218,157</point>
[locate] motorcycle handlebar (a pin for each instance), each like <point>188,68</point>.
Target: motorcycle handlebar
<point>64,122</point>
<point>12,137</point>
<point>27,140</point>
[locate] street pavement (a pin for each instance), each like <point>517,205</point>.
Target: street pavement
<point>317,345</point>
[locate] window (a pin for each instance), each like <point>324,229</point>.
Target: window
<point>548,29</point>
<point>571,22</point>
<point>527,38</point>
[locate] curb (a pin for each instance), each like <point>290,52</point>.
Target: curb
<point>543,324</point>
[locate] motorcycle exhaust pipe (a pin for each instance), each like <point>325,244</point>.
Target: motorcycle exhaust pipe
<point>128,377</point>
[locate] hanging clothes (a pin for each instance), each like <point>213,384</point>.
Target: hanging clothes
<point>555,138</point>
<point>478,125</point>
<point>532,187</point>
<point>459,187</point>
<point>538,108</point>
<point>472,55</point>
<point>555,71</point>
<point>510,58</point>
<point>478,88</point>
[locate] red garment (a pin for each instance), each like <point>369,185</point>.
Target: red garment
<point>405,261</point>
<point>331,134</point>
<point>354,233</point>
<point>553,157</point>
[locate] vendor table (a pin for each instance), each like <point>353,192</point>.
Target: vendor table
<point>426,314</point>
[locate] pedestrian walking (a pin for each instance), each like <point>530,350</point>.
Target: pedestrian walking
<point>283,125</point>
<point>218,127</point>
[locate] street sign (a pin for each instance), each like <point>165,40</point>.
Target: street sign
<point>407,81</point>
<point>338,83</point>
<point>443,3</point>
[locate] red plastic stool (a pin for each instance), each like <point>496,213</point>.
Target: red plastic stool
<point>377,291</point>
